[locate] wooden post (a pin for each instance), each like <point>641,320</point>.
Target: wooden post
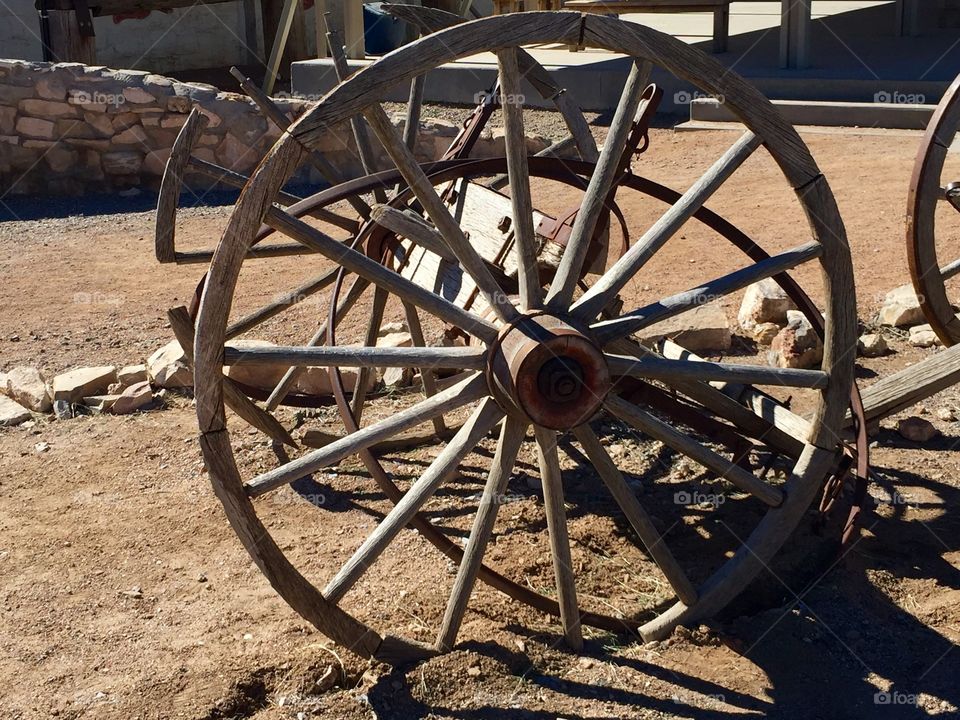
<point>283,27</point>
<point>67,42</point>
<point>795,34</point>
<point>908,18</point>
<point>345,18</point>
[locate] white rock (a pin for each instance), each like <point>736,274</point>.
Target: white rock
<point>27,386</point>
<point>917,429</point>
<point>392,327</point>
<point>901,308</point>
<point>133,398</point>
<point>316,380</point>
<point>704,328</point>
<point>167,367</point>
<point>797,345</point>
<point>764,302</point>
<point>131,374</point>
<point>12,412</point>
<point>872,345</point>
<point>77,384</point>
<point>396,376</point>
<point>395,339</point>
<point>923,336</point>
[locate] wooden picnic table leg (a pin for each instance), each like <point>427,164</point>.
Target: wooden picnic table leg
<point>795,34</point>
<point>721,28</point>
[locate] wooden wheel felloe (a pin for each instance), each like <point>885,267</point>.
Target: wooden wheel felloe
<point>543,363</point>
<point>933,201</point>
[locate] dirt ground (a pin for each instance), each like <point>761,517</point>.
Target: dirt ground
<point>124,593</point>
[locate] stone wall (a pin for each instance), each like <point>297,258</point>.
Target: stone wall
<point>70,129</point>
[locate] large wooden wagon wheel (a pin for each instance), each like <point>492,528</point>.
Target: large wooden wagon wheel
<point>933,218</point>
<point>547,360</point>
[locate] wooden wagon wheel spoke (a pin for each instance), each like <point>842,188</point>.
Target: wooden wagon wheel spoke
<point>380,275</point>
<point>609,166</point>
<point>461,358</point>
<point>610,283</point>
<point>480,423</point>
<point>380,296</point>
<point>552,482</point>
<point>512,434</point>
<point>637,517</point>
<point>515,141</point>
<point>471,261</point>
<point>656,428</point>
<point>540,367</point>
<point>290,377</point>
<point>615,328</point>
<point>662,369</point>
<point>463,393</point>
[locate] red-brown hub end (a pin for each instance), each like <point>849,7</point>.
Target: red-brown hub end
<point>547,371</point>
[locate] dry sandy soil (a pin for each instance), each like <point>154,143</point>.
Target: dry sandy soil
<point>124,593</point>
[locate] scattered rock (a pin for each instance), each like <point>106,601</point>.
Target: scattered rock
<point>100,403</point>
<point>41,447</point>
<point>703,328</point>
<point>946,414</point>
<point>12,412</point>
<point>917,429</point>
<point>167,367</point>
<point>923,336</point>
<point>764,302</point>
<point>872,345</point>
<point>76,384</point>
<point>133,398</point>
<point>131,374</point>
<point>264,376</point>
<point>316,380</point>
<point>27,386</point>
<point>797,345</point>
<point>396,376</point>
<point>390,328</point>
<point>901,308</point>
<point>764,333</point>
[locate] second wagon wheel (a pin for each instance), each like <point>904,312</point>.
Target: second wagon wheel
<point>543,365</point>
<point>933,218</point>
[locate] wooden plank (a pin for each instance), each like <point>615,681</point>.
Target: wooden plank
<point>914,383</point>
<point>66,42</point>
<point>283,24</point>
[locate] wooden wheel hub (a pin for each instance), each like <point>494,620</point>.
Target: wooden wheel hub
<point>548,372</point>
